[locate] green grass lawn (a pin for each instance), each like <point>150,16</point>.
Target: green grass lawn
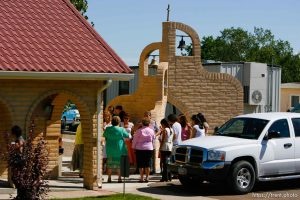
<point>115,197</point>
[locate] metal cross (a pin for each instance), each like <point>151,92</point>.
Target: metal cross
<point>168,12</point>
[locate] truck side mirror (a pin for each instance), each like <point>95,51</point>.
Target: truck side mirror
<point>273,134</point>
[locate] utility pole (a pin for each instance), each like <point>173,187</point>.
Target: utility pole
<point>168,12</point>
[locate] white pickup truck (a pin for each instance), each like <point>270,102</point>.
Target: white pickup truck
<point>246,149</point>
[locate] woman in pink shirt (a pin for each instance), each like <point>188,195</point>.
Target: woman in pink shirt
<point>186,131</point>
<point>142,143</point>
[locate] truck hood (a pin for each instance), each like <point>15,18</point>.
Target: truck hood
<point>216,142</point>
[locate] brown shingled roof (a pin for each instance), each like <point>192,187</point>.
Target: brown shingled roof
<point>52,36</point>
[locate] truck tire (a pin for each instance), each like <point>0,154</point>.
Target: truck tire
<point>242,177</point>
<point>189,181</point>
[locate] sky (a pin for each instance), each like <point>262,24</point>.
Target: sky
<point>128,26</point>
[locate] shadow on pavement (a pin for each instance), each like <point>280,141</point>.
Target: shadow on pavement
<point>217,189</point>
<point>175,188</point>
<point>277,186</point>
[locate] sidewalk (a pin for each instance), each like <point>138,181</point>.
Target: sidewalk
<point>63,188</point>
<point>73,188</point>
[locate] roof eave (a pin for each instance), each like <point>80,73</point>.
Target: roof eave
<point>65,76</point>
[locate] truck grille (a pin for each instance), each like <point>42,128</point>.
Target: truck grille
<point>188,155</point>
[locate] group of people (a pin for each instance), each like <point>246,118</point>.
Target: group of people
<point>122,137</point>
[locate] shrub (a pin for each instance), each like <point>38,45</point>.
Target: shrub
<point>28,168</point>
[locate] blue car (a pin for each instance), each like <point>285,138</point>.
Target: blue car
<point>71,116</point>
<point>295,109</point>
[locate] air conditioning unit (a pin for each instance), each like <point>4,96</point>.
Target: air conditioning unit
<point>257,77</point>
<point>257,97</point>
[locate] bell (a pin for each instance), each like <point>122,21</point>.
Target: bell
<point>153,63</point>
<point>181,44</point>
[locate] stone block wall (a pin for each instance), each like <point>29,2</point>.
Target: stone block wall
<point>5,126</point>
<point>25,101</point>
<point>183,82</point>
<point>191,88</point>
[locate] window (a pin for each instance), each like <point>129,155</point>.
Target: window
<point>249,128</point>
<point>282,127</point>
<point>296,125</point>
<point>123,87</point>
<point>294,101</point>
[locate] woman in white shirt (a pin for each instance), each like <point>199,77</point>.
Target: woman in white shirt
<point>127,124</point>
<point>166,145</point>
<point>203,122</point>
<point>198,129</point>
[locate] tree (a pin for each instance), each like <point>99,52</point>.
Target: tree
<point>81,6</point>
<point>236,44</point>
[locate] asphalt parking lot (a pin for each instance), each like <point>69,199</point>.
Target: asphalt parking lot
<point>174,190</point>
<point>271,190</point>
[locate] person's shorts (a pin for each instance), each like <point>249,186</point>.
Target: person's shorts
<point>143,158</point>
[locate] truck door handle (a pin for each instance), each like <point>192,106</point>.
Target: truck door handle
<point>287,145</point>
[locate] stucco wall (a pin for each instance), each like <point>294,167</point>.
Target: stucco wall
<point>286,94</point>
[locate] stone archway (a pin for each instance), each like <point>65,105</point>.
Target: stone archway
<point>219,96</point>
<point>5,126</point>
<point>182,81</point>
<point>49,125</point>
<point>188,86</point>
<point>149,94</point>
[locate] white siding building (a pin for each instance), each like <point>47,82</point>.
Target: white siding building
<point>261,83</point>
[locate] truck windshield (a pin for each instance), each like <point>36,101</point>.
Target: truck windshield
<point>248,128</point>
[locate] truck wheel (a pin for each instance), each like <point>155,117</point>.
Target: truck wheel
<point>190,182</point>
<point>242,177</point>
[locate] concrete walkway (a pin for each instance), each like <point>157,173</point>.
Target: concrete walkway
<point>154,188</point>
<point>73,188</point>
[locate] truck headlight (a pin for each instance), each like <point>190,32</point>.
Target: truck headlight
<point>216,155</point>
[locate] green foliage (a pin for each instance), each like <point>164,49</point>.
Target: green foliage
<point>81,6</point>
<point>236,44</point>
<point>69,105</point>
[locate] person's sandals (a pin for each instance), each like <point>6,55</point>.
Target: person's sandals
<point>141,181</point>
<point>146,180</point>
<point>109,180</point>
<point>120,181</point>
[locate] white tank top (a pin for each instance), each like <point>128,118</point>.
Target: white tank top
<point>200,132</point>
<point>167,144</point>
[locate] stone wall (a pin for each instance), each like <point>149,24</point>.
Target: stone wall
<point>218,96</point>
<point>27,100</point>
<point>5,126</point>
<point>183,82</point>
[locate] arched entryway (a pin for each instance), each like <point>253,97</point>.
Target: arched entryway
<point>70,121</point>
<point>46,113</point>
<point>171,109</point>
<point>5,126</point>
